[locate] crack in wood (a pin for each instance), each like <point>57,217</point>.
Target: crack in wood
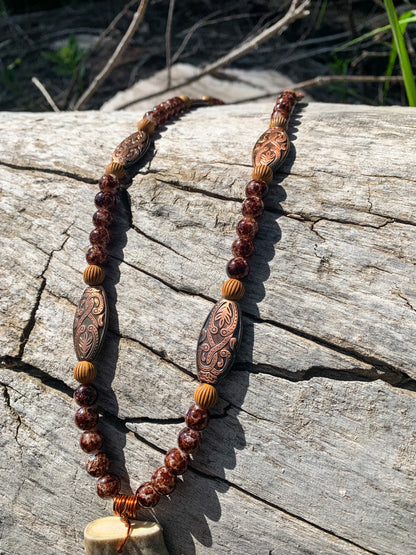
<point>62,173</point>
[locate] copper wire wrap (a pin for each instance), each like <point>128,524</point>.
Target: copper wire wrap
<point>126,507</point>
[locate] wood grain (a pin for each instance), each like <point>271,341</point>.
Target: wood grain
<point>311,448</point>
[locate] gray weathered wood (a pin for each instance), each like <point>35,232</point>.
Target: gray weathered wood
<point>312,445</point>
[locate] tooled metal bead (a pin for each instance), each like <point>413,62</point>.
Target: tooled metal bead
<point>85,371</point>
<point>262,172</point>
<point>232,289</point>
<point>116,169</point>
<point>93,275</point>
<point>206,395</point>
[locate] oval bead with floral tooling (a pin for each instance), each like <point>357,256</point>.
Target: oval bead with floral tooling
<point>219,341</point>
<point>90,324</point>
<point>131,149</point>
<point>271,148</point>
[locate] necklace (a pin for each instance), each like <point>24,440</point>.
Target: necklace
<point>221,333</point>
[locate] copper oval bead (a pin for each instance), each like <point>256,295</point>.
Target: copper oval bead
<point>90,324</point>
<point>93,275</point>
<point>147,495</point>
<point>85,371</point>
<point>108,485</point>
<point>232,290</point>
<point>116,169</point>
<point>262,172</point>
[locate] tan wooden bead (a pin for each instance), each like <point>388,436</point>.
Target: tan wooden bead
<point>232,290</point>
<point>93,275</point>
<point>146,125</point>
<point>206,396</point>
<point>186,100</point>
<point>85,371</point>
<point>262,172</point>
<point>280,121</point>
<point>116,169</point>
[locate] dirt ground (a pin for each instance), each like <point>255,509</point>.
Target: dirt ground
<point>55,43</point>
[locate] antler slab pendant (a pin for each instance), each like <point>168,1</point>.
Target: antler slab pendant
<point>219,341</point>
<point>90,324</point>
<point>131,149</point>
<point>271,148</point>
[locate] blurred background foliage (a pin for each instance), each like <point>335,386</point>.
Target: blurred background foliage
<point>54,41</point>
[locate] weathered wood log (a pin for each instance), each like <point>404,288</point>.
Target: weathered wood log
<point>312,446</point>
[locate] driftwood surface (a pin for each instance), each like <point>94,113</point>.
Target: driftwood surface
<point>311,448</point>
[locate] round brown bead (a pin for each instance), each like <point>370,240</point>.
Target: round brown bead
<point>262,172</point>
<point>116,169</point>
<point>105,200</point>
<point>252,206</point>
<point>108,485</point>
<point>243,246</point>
<point>176,461</point>
<point>256,188</point>
<point>206,395</point>
<point>86,418</point>
<point>147,495</point>
<point>189,440</point>
<point>146,125</point>
<point>232,290</point>
<point>197,418</point>
<point>237,268</point>
<point>97,255</point>
<point>97,465</point>
<point>85,371</point>
<point>102,218</point>
<point>163,481</point>
<point>93,275</point>
<point>91,440</point>
<point>247,226</point>
<point>85,395</point>
<point>100,236</point>
<point>109,183</point>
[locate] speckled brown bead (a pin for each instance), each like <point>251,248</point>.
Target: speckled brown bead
<point>253,207</point>
<point>97,465</point>
<point>237,268</point>
<point>197,418</point>
<point>243,246</point>
<point>85,395</point>
<point>91,440</point>
<point>93,275</point>
<point>206,395</point>
<point>100,236</point>
<point>262,172</point>
<point>86,418</point>
<point>108,485</point>
<point>163,481</point>
<point>109,183</point>
<point>189,440</point>
<point>102,218</point>
<point>247,226</point>
<point>97,255</point>
<point>105,200</point>
<point>147,495</point>
<point>116,169</point>
<point>256,188</point>
<point>176,461</point>
<point>85,371</point>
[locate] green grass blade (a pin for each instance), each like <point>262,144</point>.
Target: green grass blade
<point>393,53</point>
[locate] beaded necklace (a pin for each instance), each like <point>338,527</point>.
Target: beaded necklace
<point>221,333</point>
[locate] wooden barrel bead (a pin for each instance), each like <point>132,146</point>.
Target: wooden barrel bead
<point>262,172</point>
<point>146,125</point>
<point>115,168</point>
<point>85,371</point>
<point>206,395</point>
<point>93,275</point>
<point>232,289</point>
<point>90,323</point>
<point>218,341</point>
